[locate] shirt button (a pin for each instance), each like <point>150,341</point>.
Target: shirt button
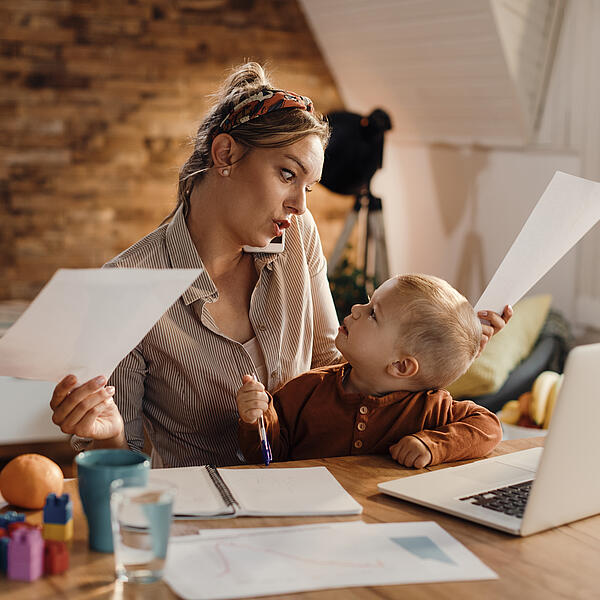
<point>273,374</point>
<point>361,426</point>
<point>363,410</point>
<point>358,444</point>
<point>262,328</point>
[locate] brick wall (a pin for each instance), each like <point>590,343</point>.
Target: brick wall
<point>97,100</point>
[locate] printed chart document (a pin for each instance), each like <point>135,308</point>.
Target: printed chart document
<point>84,321</point>
<point>566,211</point>
<point>210,492</point>
<point>282,560</point>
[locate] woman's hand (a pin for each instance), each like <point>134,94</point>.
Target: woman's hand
<point>252,400</point>
<point>410,451</point>
<point>88,410</point>
<point>492,323</point>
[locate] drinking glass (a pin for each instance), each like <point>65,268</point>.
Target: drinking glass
<point>141,520</point>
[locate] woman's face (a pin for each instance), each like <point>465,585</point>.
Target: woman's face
<point>269,185</point>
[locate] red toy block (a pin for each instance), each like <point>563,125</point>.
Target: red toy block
<point>56,557</point>
<point>21,525</point>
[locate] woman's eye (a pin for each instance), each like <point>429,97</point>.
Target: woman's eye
<point>288,175</point>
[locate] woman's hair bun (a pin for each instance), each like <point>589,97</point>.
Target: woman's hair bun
<point>248,76</point>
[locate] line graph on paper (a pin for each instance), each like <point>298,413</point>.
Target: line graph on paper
<point>282,560</point>
<point>224,550</point>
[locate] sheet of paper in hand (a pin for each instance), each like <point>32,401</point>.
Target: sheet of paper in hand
<point>85,321</point>
<point>566,211</point>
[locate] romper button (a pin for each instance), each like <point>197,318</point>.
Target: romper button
<point>363,410</point>
<point>273,374</point>
<point>361,426</point>
<point>358,444</point>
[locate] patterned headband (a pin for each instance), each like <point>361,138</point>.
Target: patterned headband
<point>260,104</point>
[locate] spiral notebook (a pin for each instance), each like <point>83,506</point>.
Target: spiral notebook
<point>211,492</point>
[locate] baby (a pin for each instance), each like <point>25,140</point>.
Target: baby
<point>415,336</point>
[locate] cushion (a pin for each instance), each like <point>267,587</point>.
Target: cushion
<point>505,350</point>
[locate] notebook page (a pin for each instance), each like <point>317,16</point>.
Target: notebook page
<point>196,493</point>
<point>289,492</point>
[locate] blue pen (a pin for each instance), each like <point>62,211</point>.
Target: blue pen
<point>264,440</point>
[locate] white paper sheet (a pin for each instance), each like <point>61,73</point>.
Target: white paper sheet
<point>566,211</point>
<point>264,561</point>
<point>301,491</point>
<point>85,321</point>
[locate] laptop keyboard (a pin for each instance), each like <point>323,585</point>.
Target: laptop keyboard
<point>510,500</point>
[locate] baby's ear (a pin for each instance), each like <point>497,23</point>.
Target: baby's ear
<point>406,367</point>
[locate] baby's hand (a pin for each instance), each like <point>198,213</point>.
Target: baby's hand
<point>410,451</point>
<point>252,400</point>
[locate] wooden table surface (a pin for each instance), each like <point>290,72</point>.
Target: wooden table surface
<point>559,563</point>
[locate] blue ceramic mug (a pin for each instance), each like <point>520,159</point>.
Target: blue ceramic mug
<point>96,470</point>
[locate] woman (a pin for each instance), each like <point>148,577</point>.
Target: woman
<point>256,156</point>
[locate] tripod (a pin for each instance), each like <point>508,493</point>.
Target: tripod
<point>371,250</point>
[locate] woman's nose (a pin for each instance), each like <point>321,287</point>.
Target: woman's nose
<point>297,203</point>
<point>355,311</point>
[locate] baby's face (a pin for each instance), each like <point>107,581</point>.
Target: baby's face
<point>369,334</point>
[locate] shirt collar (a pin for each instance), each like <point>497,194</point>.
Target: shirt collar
<point>183,255</point>
<point>343,371</point>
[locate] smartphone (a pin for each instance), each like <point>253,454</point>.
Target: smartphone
<point>275,246</point>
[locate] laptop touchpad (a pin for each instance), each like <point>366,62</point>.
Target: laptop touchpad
<point>494,473</point>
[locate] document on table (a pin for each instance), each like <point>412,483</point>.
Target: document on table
<point>566,211</point>
<point>85,321</point>
<point>281,560</point>
<point>210,492</point>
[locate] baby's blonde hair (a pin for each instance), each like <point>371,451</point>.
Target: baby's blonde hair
<point>438,327</point>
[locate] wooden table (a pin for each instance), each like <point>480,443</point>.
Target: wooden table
<point>560,563</point>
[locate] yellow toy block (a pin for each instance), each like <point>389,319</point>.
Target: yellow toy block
<point>57,531</point>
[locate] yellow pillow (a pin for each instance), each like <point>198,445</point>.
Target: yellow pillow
<point>505,350</point>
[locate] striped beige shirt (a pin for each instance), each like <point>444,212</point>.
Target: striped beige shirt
<point>181,380</point>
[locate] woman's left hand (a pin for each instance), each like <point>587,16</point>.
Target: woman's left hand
<point>492,323</point>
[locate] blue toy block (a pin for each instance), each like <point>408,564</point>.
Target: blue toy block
<point>58,509</point>
<point>3,553</point>
<point>25,555</point>
<point>10,517</point>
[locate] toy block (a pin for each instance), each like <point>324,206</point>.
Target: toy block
<point>58,532</point>
<point>56,557</point>
<point>25,555</point>
<point>12,527</point>
<point>10,517</point>
<point>58,509</point>
<point>3,553</point>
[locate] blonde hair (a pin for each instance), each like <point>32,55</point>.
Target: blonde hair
<point>276,129</point>
<point>438,327</point>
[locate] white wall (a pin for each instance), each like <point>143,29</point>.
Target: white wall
<point>571,119</point>
<point>455,212</point>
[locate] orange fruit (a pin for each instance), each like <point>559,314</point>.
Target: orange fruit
<point>27,479</point>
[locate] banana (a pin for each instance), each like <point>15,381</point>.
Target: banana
<point>552,401</point>
<point>540,393</point>
<point>510,412</point>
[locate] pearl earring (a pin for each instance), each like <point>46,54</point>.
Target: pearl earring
<point>225,172</point>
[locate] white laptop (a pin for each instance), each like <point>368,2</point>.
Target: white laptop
<point>532,490</point>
